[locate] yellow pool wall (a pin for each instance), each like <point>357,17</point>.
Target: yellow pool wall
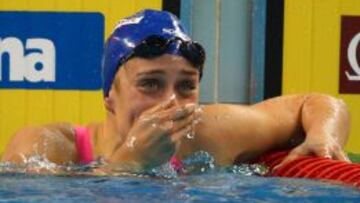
<point>312,50</point>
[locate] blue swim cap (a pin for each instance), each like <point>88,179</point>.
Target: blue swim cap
<point>132,31</point>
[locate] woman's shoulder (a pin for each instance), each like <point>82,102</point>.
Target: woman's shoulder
<point>56,141</point>
<point>220,110</point>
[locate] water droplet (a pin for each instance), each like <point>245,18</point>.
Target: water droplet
<point>190,135</point>
<point>131,142</point>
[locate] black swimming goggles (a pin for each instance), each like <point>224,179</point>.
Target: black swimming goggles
<point>154,46</point>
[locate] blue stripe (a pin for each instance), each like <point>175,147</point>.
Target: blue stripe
<point>186,14</point>
<point>234,71</point>
<point>258,30</point>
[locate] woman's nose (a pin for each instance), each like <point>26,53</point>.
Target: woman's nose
<point>171,94</point>
<point>175,98</point>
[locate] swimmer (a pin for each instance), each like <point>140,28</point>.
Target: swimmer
<point>151,73</point>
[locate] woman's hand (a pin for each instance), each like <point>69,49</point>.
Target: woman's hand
<point>156,135</point>
<point>326,122</point>
<point>322,145</point>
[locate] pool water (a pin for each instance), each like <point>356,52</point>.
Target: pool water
<point>202,182</point>
<point>220,187</point>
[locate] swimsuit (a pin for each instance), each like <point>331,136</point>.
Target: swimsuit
<point>83,145</point>
<point>85,149</point>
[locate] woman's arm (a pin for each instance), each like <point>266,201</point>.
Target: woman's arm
<point>240,133</point>
<point>326,123</point>
<point>53,142</point>
<point>325,115</point>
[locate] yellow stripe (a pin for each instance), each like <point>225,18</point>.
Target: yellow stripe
<point>13,5</point>
<point>40,5</point>
<point>13,113</point>
<point>325,61</point>
<point>70,100</point>
<point>70,6</point>
<point>297,45</point>
<point>350,7</point>
<point>39,108</point>
<point>141,4</point>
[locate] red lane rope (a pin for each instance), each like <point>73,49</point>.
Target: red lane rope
<point>312,167</point>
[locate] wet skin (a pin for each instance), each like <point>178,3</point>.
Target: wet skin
<point>152,107</point>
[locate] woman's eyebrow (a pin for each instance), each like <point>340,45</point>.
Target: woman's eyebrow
<point>151,72</point>
<point>188,72</point>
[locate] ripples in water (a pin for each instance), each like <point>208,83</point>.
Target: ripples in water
<point>202,181</point>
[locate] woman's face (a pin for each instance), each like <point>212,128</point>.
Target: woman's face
<point>144,83</point>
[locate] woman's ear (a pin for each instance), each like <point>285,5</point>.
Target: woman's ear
<point>110,103</point>
<point>110,100</point>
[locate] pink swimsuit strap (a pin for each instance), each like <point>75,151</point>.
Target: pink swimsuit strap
<point>83,145</point>
<point>176,164</point>
<point>85,149</point>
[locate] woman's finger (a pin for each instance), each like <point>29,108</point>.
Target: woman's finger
<point>287,159</point>
<point>176,137</point>
<point>294,154</point>
<point>157,115</point>
<point>340,155</point>
<point>188,121</point>
<point>162,106</point>
<point>322,152</point>
<point>172,131</point>
<point>176,113</point>
<point>183,112</point>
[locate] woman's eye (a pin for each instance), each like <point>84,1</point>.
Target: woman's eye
<point>150,85</point>
<point>185,86</point>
